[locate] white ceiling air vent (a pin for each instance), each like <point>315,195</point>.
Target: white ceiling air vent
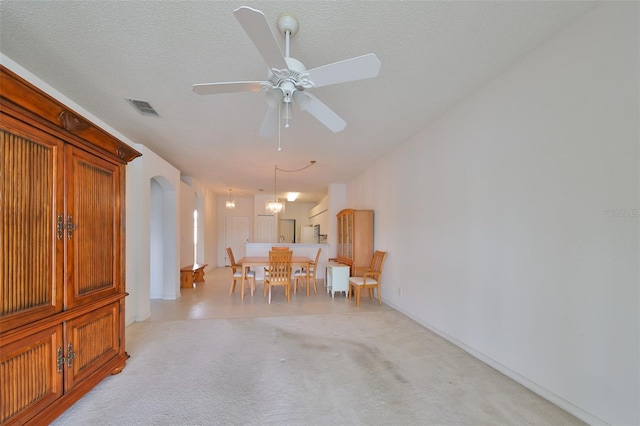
<point>143,107</point>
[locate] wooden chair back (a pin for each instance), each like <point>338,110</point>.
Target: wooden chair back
<point>278,273</point>
<point>280,266</point>
<point>279,248</point>
<point>314,266</point>
<point>370,279</point>
<point>315,262</point>
<point>377,263</point>
<point>236,274</point>
<point>232,260</point>
<point>302,275</point>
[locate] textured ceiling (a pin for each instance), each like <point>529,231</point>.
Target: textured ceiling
<point>433,54</point>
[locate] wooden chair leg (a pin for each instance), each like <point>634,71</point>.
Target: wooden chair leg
<point>233,286</point>
<point>252,285</point>
<point>379,295</point>
<point>357,296</point>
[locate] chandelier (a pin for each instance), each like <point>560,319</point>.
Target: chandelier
<point>276,206</point>
<point>230,204</point>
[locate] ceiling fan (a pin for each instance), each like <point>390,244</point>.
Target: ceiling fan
<point>288,79</point>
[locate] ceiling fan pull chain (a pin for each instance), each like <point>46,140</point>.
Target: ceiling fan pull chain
<point>279,118</point>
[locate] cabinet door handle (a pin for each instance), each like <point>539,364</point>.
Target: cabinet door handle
<point>70,355</point>
<point>59,227</point>
<point>70,226</point>
<point>60,360</point>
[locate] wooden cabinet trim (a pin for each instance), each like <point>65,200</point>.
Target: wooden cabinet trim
<point>48,111</point>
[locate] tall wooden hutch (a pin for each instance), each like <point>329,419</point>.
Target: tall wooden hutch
<point>62,287</point>
<point>355,237</point>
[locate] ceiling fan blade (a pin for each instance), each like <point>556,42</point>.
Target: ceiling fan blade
<point>270,122</point>
<point>255,24</point>
<point>229,87</point>
<point>358,68</point>
<point>324,114</point>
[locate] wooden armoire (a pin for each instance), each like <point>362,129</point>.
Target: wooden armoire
<point>355,238</point>
<point>62,287</point>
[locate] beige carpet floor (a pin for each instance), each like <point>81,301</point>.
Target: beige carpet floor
<point>354,368</point>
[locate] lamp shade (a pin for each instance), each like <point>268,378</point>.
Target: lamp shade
<point>286,113</point>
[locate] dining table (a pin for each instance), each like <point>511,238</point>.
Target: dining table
<point>248,261</point>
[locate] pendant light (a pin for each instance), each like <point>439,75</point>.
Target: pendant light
<point>230,204</point>
<point>275,206</point>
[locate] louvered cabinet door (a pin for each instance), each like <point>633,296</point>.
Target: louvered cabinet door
<point>92,340</point>
<point>94,232</point>
<point>31,374</point>
<point>31,251</point>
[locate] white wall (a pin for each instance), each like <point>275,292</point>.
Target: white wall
<point>512,221</point>
<point>210,231</point>
<point>140,216</point>
<point>337,202</point>
<point>187,205</point>
<point>244,208</point>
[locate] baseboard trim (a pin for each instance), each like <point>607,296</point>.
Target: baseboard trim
<point>532,386</point>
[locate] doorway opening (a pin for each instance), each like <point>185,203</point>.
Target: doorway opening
<point>287,231</point>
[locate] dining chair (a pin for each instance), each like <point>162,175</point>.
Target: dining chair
<point>302,275</point>
<point>279,272</point>
<point>370,278</point>
<point>274,248</point>
<point>236,274</point>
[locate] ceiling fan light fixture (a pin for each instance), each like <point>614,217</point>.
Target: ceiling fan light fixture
<point>286,113</point>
